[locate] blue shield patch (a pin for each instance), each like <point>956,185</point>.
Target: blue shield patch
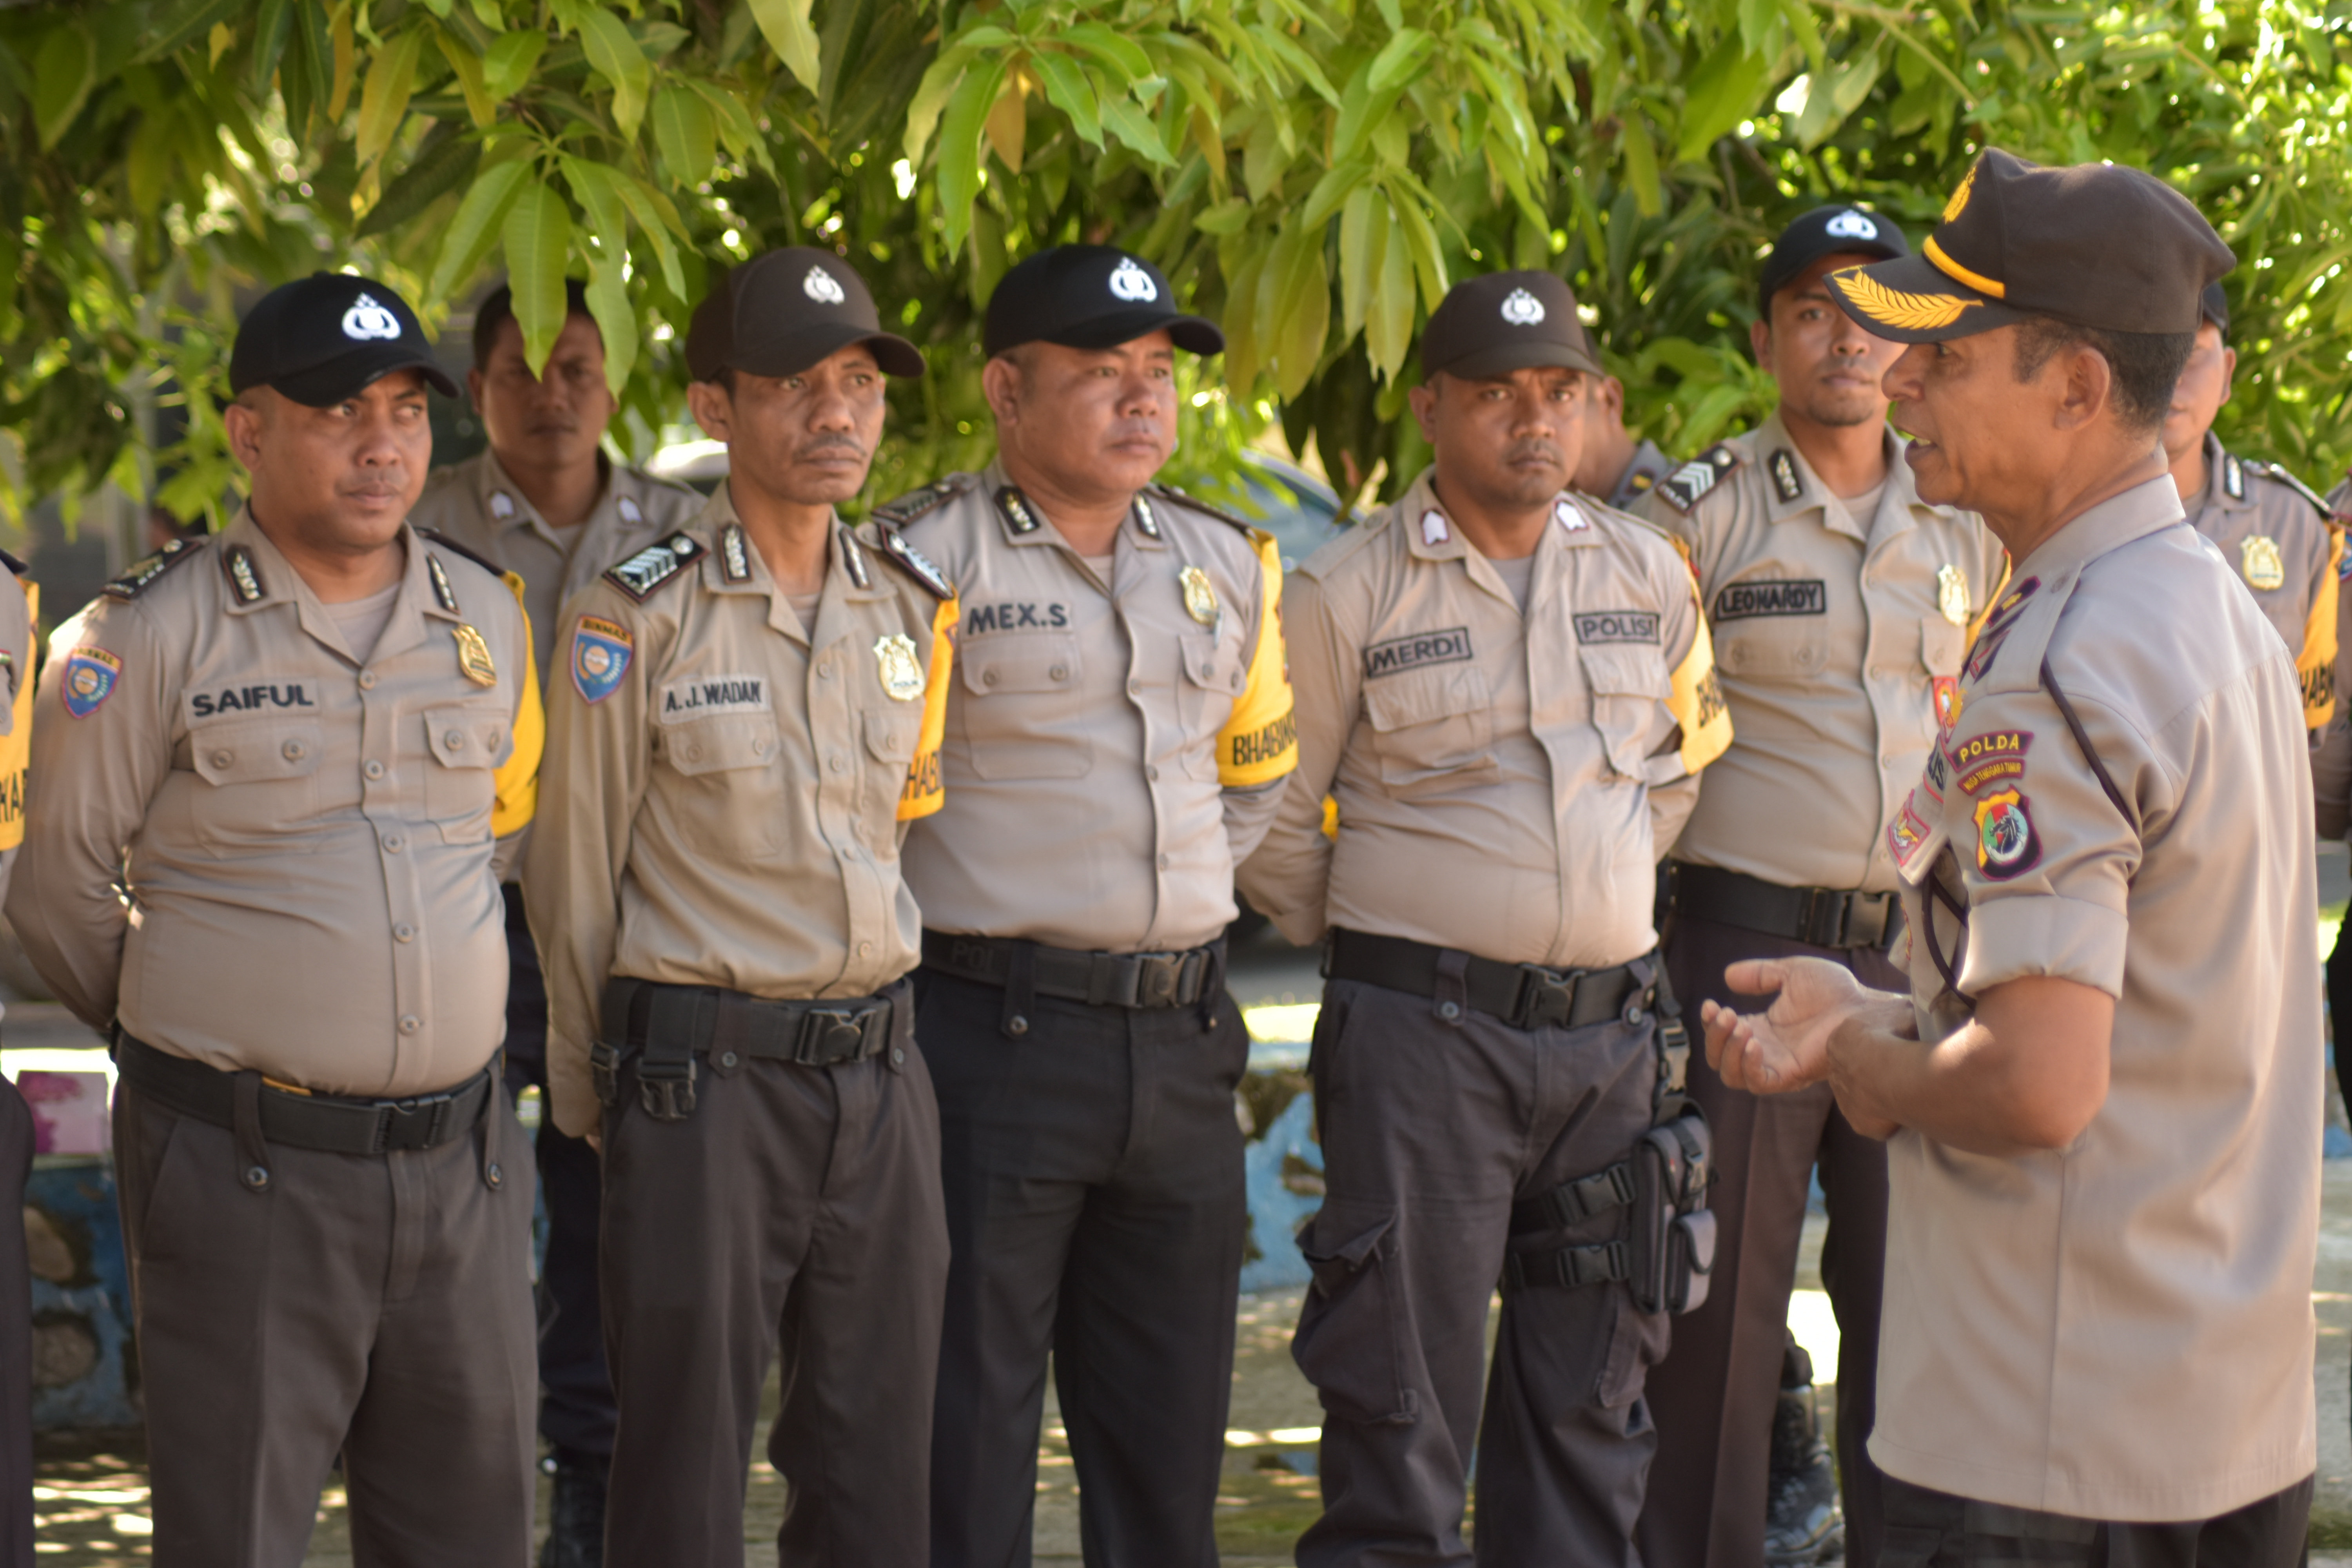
<point>601,651</point>
<point>90,677</point>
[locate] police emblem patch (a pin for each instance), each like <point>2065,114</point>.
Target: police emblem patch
<point>2006,843</point>
<point>1522,308</point>
<point>474,656</point>
<point>1947,692</point>
<point>902,673</point>
<point>601,651</point>
<point>1952,594</point>
<point>1132,283</point>
<point>1200,598</point>
<point>502,505</point>
<point>1432,528</point>
<point>2264,564</point>
<point>1907,832</point>
<point>90,677</point>
<point>1570,516</point>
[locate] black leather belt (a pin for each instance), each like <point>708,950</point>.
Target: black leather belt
<point>1821,917</point>
<point>301,1119</point>
<point>1098,979</point>
<point>728,1026</point>
<point>1523,995</point>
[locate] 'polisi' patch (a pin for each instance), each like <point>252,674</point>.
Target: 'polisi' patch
<point>1397,654</point>
<point>601,651</point>
<point>1617,626</point>
<point>92,675</point>
<point>273,693</point>
<point>1744,601</point>
<point>711,696</point>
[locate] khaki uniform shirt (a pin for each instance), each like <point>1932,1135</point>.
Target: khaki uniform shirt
<point>2286,552</point>
<point>1113,749</point>
<point>2121,1328</point>
<point>20,609</point>
<point>479,506</point>
<point>305,839</point>
<point>726,790</point>
<point>1641,476</point>
<point>1833,635</point>
<point>1503,779</point>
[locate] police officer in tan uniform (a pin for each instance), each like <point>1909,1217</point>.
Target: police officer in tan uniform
<point>1507,688</point>
<point>19,610</point>
<point>1614,466</point>
<point>1840,603</point>
<point>2274,528</point>
<point>1117,736</point>
<point>545,502</point>
<point>2099,1089</point>
<point>750,718</point>
<point>277,772</point>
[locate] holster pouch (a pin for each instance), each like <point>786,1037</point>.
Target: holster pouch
<point>1674,1231</point>
<point>666,1066</point>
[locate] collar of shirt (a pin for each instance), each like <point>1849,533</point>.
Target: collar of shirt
<point>1898,503</point>
<point>1444,540</point>
<point>736,566</point>
<point>994,482</point>
<point>2113,523</point>
<point>504,503</point>
<point>246,555</point>
<point>2217,494</point>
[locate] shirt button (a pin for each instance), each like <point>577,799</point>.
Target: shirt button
<point>1059,672</point>
<point>759,748</point>
<point>454,740</point>
<point>825,672</point>
<point>375,770</point>
<point>222,758</point>
<point>1135,687</point>
<point>987,678</point>
<point>865,950</point>
<point>367,680</point>
<point>837,763</point>
<point>694,754</point>
<point>404,931</point>
<point>393,843</point>
<point>410,1023</point>
<point>1163,862</point>
<point>1152,772</point>
<point>295,751</point>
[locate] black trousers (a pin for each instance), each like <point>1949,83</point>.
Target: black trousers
<point>794,1213</point>
<point>1713,1395</point>
<point>1432,1128</point>
<point>15,1335</point>
<point>1929,1528</point>
<point>576,1411</point>
<point>1096,1203</point>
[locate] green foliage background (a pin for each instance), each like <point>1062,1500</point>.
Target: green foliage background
<point>1310,175</point>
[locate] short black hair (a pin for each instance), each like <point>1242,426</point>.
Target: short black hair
<point>498,310</point>
<point>2146,365</point>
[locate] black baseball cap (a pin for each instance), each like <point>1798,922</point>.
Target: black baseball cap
<point>1090,297</point>
<point>324,337</point>
<point>2095,244</point>
<point>782,312</point>
<point>1838,229</point>
<point>1506,321</point>
<point>2214,306</point>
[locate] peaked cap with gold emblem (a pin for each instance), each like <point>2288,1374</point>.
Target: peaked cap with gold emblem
<point>2095,244</point>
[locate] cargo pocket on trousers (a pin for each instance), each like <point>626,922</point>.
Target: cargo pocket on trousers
<point>1637,1342</point>
<point>1353,1330</point>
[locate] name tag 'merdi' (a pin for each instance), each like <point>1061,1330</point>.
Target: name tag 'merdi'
<point>1399,654</point>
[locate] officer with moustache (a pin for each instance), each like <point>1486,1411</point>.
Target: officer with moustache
<point>546,503</point>
<point>1117,739</point>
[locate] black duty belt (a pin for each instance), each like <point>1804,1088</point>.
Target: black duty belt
<point>664,1027</point>
<point>300,1118</point>
<point>1098,979</point>
<point>1525,996</point>
<point>1820,917</point>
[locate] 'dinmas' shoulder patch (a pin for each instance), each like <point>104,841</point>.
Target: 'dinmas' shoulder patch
<point>1685,487</point>
<point>654,565</point>
<point>141,577</point>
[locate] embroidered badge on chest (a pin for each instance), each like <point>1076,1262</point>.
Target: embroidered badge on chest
<point>474,656</point>
<point>1200,597</point>
<point>601,651</point>
<point>2262,563</point>
<point>92,675</point>
<point>902,673</point>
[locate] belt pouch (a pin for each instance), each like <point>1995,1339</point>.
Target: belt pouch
<point>1673,1233</point>
<point>678,1020</point>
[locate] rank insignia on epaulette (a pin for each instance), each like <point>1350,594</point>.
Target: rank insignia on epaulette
<point>244,580</point>
<point>1203,508</point>
<point>2260,559</point>
<point>474,656</point>
<point>649,568</point>
<point>2234,477</point>
<point>916,565</point>
<point>854,559</point>
<point>2272,471</point>
<point>906,508</point>
<point>734,556</point>
<point>1686,485</point>
<point>1145,519</point>
<point>1784,476</point>
<point>631,513</point>
<point>1015,507</point>
<point>134,582</point>
<point>443,593</point>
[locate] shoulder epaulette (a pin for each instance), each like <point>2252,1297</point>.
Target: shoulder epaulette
<point>649,568</point>
<point>1636,521</point>
<point>1203,508</point>
<point>1347,544</point>
<point>906,508</point>
<point>913,561</point>
<point>442,541</point>
<point>140,578</point>
<point>1686,485</point>
<point>2278,475</point>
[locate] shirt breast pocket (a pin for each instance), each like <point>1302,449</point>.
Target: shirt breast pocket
<point>265,779</point>
<point>1016,686</point>
<point>460,787</point>
<point>1432,730</point>
<point>1942,645</point>
<point>1772,627</point>
<point>1627,687</point>
<point>1214,675</point>
<point>729,784</point>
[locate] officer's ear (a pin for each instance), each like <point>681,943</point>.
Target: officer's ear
<point>713,406</point>
<point>1759,340</point>
<point>244,421</point>
<point>1423,399</point>
<point>2229,371</point>
<point>1002,379</point>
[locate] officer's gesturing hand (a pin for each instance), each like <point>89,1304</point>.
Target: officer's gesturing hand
<point>1786,1046</point>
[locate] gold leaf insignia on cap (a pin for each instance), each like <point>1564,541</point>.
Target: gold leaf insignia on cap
<point>1894,308</point>
<point>1960,201</point>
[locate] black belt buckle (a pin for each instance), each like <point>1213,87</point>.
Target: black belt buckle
<point>1868,915</point>
<point>666,1087</point>
<point>409,1124</point>
<point>1160,979</point>
<point>830,1035</point>
<point>1546,997</point>
<point>1823,922</point>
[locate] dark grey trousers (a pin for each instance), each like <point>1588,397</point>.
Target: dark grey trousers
<point>794,1213</point>
<point>1713,1396</point>
<point>375,1306</point>
<point>1096,1196</point>
<point>1928,1528</point>
<point>16,1136</point>
<point>1432,1128</point>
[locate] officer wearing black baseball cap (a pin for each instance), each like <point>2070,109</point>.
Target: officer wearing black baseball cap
<point>325,337</point>
<point>1838,229</point>
<point>1506,321</point>
<point>782,312</point>
<point>1089,297</point>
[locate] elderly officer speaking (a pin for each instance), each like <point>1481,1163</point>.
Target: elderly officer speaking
<point>752,717</point>
<point>546,503</point>
<point>2270,525</point>
<point>273,773</point>
<point>1840,603</point>
<point>1115,744</point>
<point>1509,691</point>
<point>2102,1089</point>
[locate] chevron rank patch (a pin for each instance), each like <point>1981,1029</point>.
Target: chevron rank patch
<point>916,565</point>
<point>136,581</point>
<point>649,568</point>
<point>1686,485</point>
